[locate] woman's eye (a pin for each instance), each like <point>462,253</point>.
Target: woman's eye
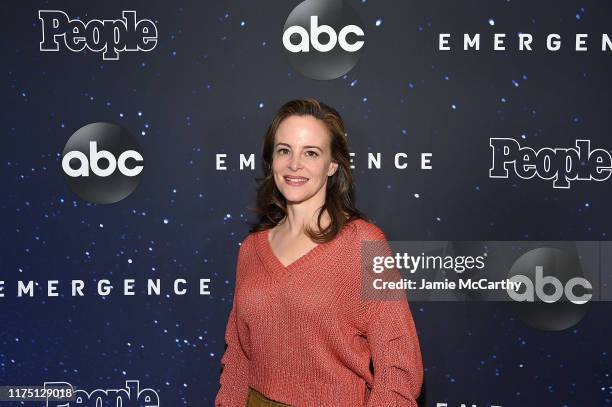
<point>282,151</point>
<point>312,154</point>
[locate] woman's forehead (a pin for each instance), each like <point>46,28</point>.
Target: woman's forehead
<point>302,130</point>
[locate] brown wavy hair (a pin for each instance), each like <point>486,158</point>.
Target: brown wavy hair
<point>271,204</point>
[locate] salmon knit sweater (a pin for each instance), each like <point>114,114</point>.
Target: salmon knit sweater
<point>304,336</point>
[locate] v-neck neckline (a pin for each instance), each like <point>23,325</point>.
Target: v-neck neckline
<point>275,266</point>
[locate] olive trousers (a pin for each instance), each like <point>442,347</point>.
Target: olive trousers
<point>256,399</point>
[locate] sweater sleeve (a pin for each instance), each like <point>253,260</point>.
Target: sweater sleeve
<point>234,377</point>
<point>396,354</point>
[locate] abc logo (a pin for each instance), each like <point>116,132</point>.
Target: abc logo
<point>315,32</point>
<point>322,39</point>
<point>94,158</point>
<point>551,302</point>
<point>102,163</point>
<point>541,282</point>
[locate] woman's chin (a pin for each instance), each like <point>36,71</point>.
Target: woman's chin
<point>296,198</point>
<point>295,201</point>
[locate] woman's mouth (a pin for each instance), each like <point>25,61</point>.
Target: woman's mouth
<point>295,181</point>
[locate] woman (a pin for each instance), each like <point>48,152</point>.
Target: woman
<point>299,332</point>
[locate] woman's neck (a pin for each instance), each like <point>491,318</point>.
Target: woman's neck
<point>298,219</point>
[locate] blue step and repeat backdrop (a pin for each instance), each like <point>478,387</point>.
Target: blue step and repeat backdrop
<point>468,121</point>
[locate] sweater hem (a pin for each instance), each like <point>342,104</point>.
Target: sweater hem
<point>283,388</point>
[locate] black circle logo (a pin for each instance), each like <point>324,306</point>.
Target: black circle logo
<point>102,163</point>
<point>323,39</point>
<point>554,295</point>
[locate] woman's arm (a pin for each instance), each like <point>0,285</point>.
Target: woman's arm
<point>396,355</point>
<point>392,336</point>
<point>234,377</point>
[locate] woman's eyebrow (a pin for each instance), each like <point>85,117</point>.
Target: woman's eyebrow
<point>285,144</point>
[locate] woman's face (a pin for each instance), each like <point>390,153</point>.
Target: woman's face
<point>302,161</point>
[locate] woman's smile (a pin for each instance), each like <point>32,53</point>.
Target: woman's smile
<point>295,181</point>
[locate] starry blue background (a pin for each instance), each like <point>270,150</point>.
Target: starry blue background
<point>211,86</point>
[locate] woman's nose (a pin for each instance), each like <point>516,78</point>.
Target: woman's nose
<point>295,163</point>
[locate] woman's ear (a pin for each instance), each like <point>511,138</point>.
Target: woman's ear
<point>333,167</point>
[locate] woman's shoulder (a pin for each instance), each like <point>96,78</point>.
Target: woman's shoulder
<point>366,230</point>
<point>250,241</point>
